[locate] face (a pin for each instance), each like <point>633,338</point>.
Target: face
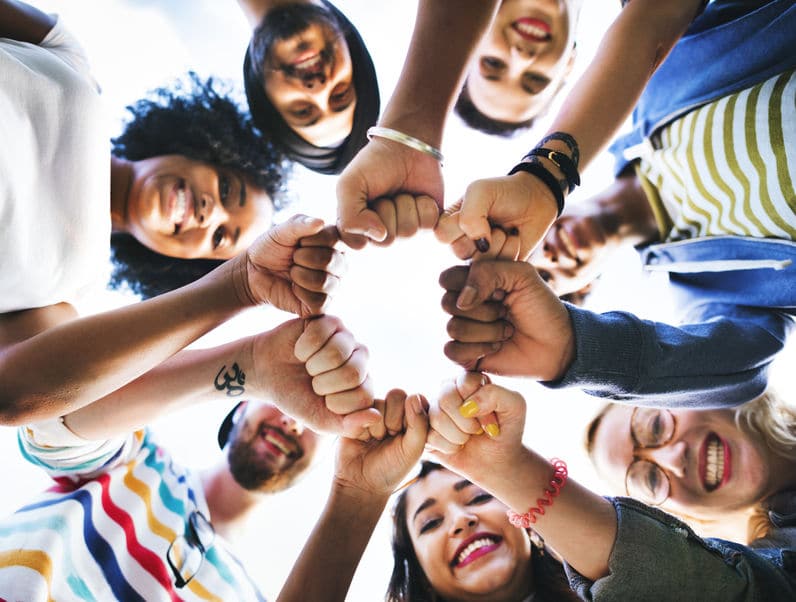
<point>187,209</point>
<point>522,60</point>
<point>309,76</point>
<point>464,541</point>
<point>268,449</point>
<point>712,467</point>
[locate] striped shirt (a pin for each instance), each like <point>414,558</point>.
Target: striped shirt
<point>103,530</point>
<point>728,167</point>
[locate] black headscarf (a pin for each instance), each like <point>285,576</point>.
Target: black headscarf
<point>326,160</point>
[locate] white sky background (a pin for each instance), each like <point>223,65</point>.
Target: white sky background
<point>389,298</point>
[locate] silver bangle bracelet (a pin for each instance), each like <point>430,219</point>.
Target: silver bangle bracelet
<point>406,140</point>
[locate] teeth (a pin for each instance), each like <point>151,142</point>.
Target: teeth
<point>714,464</point>
<point>531,30</point>
<point>308,63</point>
<point>179,207</point>
<point>277,443</point>
<point>472,547</point>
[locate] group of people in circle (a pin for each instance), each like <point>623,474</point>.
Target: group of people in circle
<point>692,433</point>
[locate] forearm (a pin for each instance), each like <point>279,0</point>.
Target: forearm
<point>23,22</point>
<point>254,10</point>
<point>711,363</point>
<point>189,377</point>
<point>330,557</point>
<point>446,33</point>
<point>632,48</point>
<point>580,525</point>
<point>74,364</point>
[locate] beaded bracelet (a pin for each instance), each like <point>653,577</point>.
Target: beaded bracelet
<point>540,171</point>
<point>524,521</point>
<point>406,140</point>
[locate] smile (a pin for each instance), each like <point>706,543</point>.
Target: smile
<point>533,30</point>
<point>714,462</point>
<point>474,548</point>
<point>277,443</point>
<point>179,210</point>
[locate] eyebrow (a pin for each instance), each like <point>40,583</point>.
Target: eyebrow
<point>429,502</point>
<point>461,485</point>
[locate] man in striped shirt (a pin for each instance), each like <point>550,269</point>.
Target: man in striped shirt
<point>125,522</point>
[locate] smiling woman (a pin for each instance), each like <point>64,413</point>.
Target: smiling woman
<point>310,82</point>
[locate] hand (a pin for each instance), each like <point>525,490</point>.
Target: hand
<point>506,321</point>
<point>503,245</point>
<point>378,467</point>
<point>382,169</point>
<point>405,215</point>
<point>489,439</point>
<point>316,372</point>
<point>294,266</point>
<point>518,203</point>
<point>573,253</point>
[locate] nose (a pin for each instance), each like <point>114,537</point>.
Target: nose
<point>463,522</point>
<point>670,457</point>
<point>291,426</point>
<point>207,209</point>
<point>311,79</point>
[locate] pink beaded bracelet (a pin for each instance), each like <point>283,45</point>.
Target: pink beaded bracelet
<point>524,521</point>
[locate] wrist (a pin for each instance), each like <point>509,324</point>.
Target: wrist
<point>416,123</point>
<point>344,493</point>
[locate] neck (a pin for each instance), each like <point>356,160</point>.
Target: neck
<point>229,503</point>
<point>121,181</point>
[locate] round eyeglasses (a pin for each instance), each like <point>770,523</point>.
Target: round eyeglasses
<point>645,480</point>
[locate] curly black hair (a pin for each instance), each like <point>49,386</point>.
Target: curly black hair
<point>475,119</point>
<point>198,119</point>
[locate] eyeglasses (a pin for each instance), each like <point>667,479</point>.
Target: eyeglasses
<point>187,552</point>
<point>645,480</point>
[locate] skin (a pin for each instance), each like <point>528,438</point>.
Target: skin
<point>513,77</point>
<point>320,111</point>
<point>258,419</point>
<point>455,510</point>
<point>224,213</point>
<point>756,472</point>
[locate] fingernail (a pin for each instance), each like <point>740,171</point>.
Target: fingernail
<point>308,219</point>
<point>480,431</point>
<point>466,297</point>
<point>375,234</point>
<point>482,244</point>
<point>468,409</point>
<point>508,330</point>
<point>492,429</point>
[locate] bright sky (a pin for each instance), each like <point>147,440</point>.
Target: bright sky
<point>389,298</point>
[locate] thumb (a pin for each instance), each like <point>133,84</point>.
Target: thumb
<point>508,406</point>
<point>356,424</point>
<point>353,215</point>
<point>484,278</point>
<point>414,439</point>
<point>289,232</point>
<point>474,213</point>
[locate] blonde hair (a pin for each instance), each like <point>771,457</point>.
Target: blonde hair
<point>768,417</point>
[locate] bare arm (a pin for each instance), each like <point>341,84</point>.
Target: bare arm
<point>23,22</point>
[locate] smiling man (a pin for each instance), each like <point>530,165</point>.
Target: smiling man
<point>310,81</point>
<point>123,521</point>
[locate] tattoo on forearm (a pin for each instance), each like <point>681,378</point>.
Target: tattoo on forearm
<point>231,380</point>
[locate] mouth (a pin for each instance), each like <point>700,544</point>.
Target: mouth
<point>183,201</point>
<point>533,30</point>
<point>714,462</point>
<point>475,547</point>
<point>278,444</point>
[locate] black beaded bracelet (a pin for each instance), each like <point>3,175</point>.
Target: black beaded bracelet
<point>567,166</point>
<point>540,171</point>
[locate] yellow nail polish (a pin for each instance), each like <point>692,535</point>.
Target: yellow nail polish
<point>480,431</point>
<point>492,429</point>
<point>468,409</point>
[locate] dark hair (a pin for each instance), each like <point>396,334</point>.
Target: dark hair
<point>194,118</point>
<point>475,119</point>
<point>408,582</point>
<point>325,160</point>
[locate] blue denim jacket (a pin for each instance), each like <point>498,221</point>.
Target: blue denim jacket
<point>658,558</point>
<point>738,300</point>
<point>732,45</point>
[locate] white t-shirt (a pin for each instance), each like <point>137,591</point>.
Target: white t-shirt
<point>54,174</point>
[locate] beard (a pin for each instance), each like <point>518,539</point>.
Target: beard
<point>252,472</point>
<point>288,21</point>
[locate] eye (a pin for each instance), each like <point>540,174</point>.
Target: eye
<point>481,498</point>
<point>491,63</point>
<point>218,236</point>
<point>341,99</point>
<point>656,428</point>
<point>430,525</point>
<point>302,112</point>
<point>654,480</point>
<point>534,83</point>
<point>223,188</point>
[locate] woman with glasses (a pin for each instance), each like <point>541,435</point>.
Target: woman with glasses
<point>706,465</point>
<point>622,549</point>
